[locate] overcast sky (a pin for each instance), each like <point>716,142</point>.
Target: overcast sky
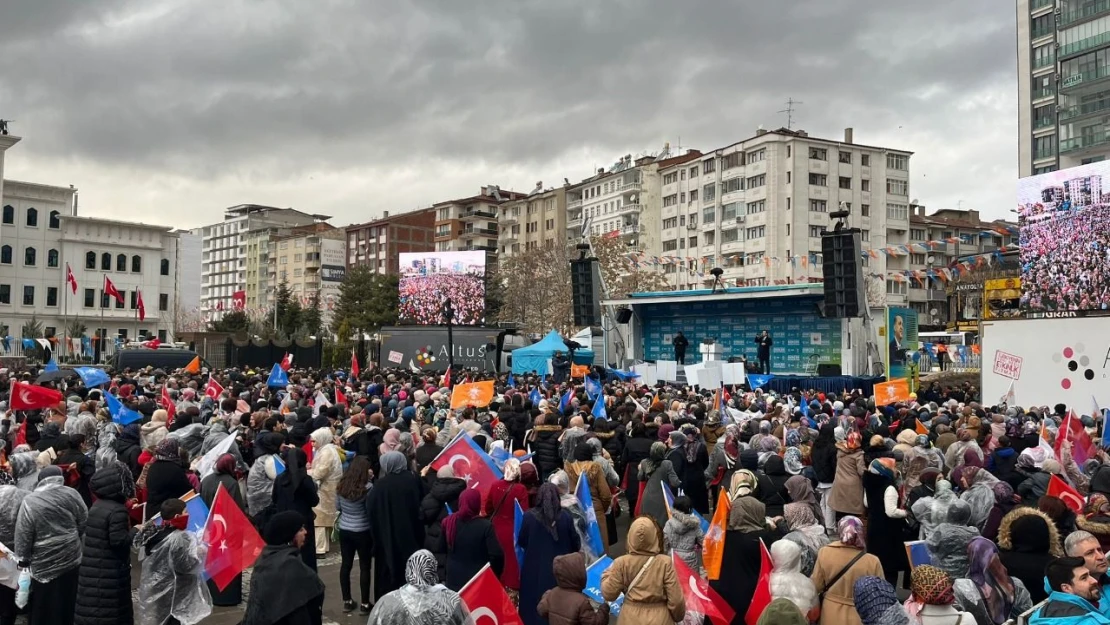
<point>168,111</point>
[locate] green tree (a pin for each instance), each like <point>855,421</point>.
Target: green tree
<point>311,318</point>
<point>288,311</point>
<point>76,329</point>
<point>367,301</point>
<point>33,329</point>
<point>495,293</point>
<point>234,321</point>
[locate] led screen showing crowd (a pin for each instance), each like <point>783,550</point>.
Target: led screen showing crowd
<point>428,279</point>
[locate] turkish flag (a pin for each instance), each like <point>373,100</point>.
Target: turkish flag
<point>26,396</point>
<point>1072,430</point>
<point>286,362</point>
<point>354,365</point>
<point>485,597</point>
<point>110,290</point>
<point>71,280</point>
<point>447,378</point>
<point>700,597</point>
<point>233,543</point>
<point>470,463</point>
<point>762,597</point>
<point>239,300</point>
<point>1061,490</point>
<point>167,403</point>
<point>140,305</point>
<point>213,390</point>
<point>152,343</point>
<point>340,398</point>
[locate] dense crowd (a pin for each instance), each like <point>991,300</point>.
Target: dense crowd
<point>1066,261</point>
<point>828,489</point>
<point>421,298</point>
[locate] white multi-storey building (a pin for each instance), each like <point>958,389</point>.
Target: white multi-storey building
<point>224,254</point>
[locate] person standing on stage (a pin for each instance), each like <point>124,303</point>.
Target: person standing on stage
<point>764,343</point>
<point>680,344</point>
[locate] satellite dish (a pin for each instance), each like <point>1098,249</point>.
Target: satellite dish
<point>933,312</point>
<point>632,198</point>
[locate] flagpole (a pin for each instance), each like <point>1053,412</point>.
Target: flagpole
<point>138,296</point>
<point>65,310</point>
<point>102,329</point>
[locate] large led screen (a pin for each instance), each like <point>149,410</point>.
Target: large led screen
<point>429,279</point>
<point>1064,218</point>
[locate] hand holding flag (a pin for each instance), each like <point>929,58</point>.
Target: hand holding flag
<point>233,543</point>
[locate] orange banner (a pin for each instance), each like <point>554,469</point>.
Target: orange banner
<point>579,371</point>
<point>477,394</point>
<point>713,545</point>
<point>892,392</point>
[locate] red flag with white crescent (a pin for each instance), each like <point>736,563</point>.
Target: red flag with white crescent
<point>111,291</point>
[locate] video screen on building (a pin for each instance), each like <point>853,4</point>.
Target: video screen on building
<point>1064,218</point>
<point>429,279</point>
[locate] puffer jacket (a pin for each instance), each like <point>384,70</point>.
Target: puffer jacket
<point>545,445</point>
<point>128,450</point>
<point>613,442</point>
<point>1027,541</point>
<point>684,535</point>
<point>565,604</point>
<point>49,529</point>
<point>104,580</point>
<point>433,509</point>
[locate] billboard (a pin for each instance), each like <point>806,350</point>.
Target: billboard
<point>901,341</point>
<point>1064,219</point>
<point>428,348</point>
<point>430,278</point>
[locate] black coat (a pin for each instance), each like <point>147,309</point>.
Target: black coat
<point>824,462</point>
<point>692,475</point>
<point>884,534</point>
<point>398,530</point>
<point>128,451</point>
<point>545,447</point>
<point>475,546</point>
<point>300,497</point>
<point>433,509</point>
<point>166,479</point>
<point>104,578</point>
<point>85,467</point>
<point>636,449</point>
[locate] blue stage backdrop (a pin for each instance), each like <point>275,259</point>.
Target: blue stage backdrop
<point>793,322</point>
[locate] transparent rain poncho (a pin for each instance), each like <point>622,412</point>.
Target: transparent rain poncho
<point>106,445</point>
<point>191,438</point>
<point>980,498</point>
<point>49,529</point>
<point>421,601</point>
<point>10,498</point>
<point>932,511</point>
<point>171,583</point>
<point>949,539</point>
<point>25,470</point>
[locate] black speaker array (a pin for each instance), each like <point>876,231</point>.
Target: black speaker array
<point>584,285</point>
<point>843,273</point>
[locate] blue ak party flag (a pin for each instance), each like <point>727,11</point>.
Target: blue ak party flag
<point>593,531</point>
<point>278,377</point>
<point>92,376</point>
<point>120,413</point>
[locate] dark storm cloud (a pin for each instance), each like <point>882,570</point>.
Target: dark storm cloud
<point>239,98</point>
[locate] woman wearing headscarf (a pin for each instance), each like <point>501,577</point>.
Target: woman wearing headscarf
<point>395,520</point>
<point>171,585</point>
<point>838,567</point>
<point>637,448</point>
<point>295,491</point>
<point>976,488</point>
<point>747,526</point>
<point>166,478</point>
<point>470,542</point>
<point>988,591</point>
<point>695,461</point>
<point>224,476</point>
<point>654,471</point>
<point>571,505</point>
<point>583,465</point>
<point>11,496</point>
<point>787,579</point>
<point>104,579</point>
<point>846,496</point>
<point>442,496</point>
<point>886,525</point>
<point>877,603</point>
<point>823,459</point>
<point>284,590</point>
<point>782,612</point>
<point>422,600</point>
<point>500,509</point>
<point>931,601</point>
<point>804,529</point>
<point>391,440</point>
<point>1096,519</point>
<point>263,475</point>
<point>799,489</point>
<point>652,595</point>
<point>949,540</point>
<point>612,478</point>
<point>1027,541</point>
<point>546,532</point>
<point>327,470</point>
<point>1004,502</point>
<point>530,480</point>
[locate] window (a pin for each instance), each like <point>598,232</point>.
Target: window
<point>730,236</point>
<point>709,192</point>
<point>820,180</point>
<point>865,160</point>
<point>106,261</point>
<point>549,224</point>
<point>32,217</point>
<point>865,210</point>
<point>298,272</point>
<point>51,296</point>
<point>670,246</point>
<point>756,232</point>
<point>6,255</point>
<point>732,184</point>
<point>728,211</point>
<point>5,294</point>
<point>90,298</point>
<point>30,257</point>
<point>897,161</point>
<point>122,294</point>
<point>28,295</point>
<point>757,155</point>
<point>757,181</point>
<point>917,259</point>
<point>670,200</point>
<point>708,215</point>
<point>818,154</point>
<point>818,206</point>
<point>864,235</point>
<point>710,237</point>
<point>693,242</point>
<point>163,302</point>
<point>845,157</point>
<point>815,231</point>
<point>135,300</point>
<point>787,229</point>
<point>136,264</point>
<point>865,185</point>
<point>736,159</point>
<point>709,166</point>
<point>670,223</point>
<point>55,220</point>
<point>917,234</point>
<point>682,174</point>
<point>52,258</point>
<point>670,178</point>
<point>897,211</point>
<point>896,288</point>
<point>9,214</point>
<point>165,268</point>
<point>694,171</point>
<point>693,196</point>
<point>845,182</point>
<point>897,187</point>
<point>121,262</point>
<point>757,207</point>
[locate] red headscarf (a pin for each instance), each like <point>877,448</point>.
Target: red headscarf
<point>470,504</point>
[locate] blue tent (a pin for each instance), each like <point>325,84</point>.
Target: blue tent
<point>534,357</point>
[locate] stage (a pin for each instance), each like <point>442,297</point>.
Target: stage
<point>825,384</point>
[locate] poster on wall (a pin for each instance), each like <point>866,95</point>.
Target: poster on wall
<point>901,340</point>
<point>428,279</point>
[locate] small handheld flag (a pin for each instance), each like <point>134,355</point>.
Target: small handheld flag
<point>586,501</point>
<point>278,377</point>
<point>599,409</point>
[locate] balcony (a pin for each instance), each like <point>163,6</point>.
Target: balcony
<point>1045,122</point>
<point>631,229</point>
<point>478,248</point>
<point>631,187</point>
<point>1070,17</point>
<point>1087,108</point>
<point>1047,92</point>
<point>1083,45</point>
<point>1043,32</point>
<point>577,203</point>
<point>629,208</point>
<point>1075,81</point>
<point>1047,61</point>
<point>508,220</point>
<point>470,233</point>
<point>1099,138</point>
<point>509,235</point>
<point>1041,155</point>
<point>1040,4</point>
<point>477,213</point>
<point>574,223</point>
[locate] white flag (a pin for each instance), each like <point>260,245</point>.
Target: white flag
<point>207,462</point>
<point>320,400</point>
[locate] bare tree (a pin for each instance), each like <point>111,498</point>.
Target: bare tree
<point>536,289</point>
<point>621,274</point>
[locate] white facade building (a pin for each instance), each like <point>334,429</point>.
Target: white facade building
<point>622,200</point>
<point>224,252</point>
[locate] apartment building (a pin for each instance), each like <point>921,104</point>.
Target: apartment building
<point>377,244</point>
<point>930,299</point>
<point>533,221</point>
<point>1063,91</point>
<point>224,252</point>
<point>311,261</point>
<point>757,208</point>
<point>470,223</point>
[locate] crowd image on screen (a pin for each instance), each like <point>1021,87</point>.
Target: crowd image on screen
<point>1066,259</point>
<point>422,297</point>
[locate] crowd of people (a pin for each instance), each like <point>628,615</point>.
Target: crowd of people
<point>832,486</point>
<point>1066,261</point>
<point>421,298</point>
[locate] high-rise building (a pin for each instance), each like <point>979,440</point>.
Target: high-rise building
<point>376,244</point>
<point>534,221</point>
<point>471,223</point>
<point>1063,92</point>
<point>224,261</point>
<point>311,262</point>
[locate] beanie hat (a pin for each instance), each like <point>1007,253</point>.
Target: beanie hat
<point>283,527</point>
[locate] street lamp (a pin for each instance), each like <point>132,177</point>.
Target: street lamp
<point>449,315</point>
